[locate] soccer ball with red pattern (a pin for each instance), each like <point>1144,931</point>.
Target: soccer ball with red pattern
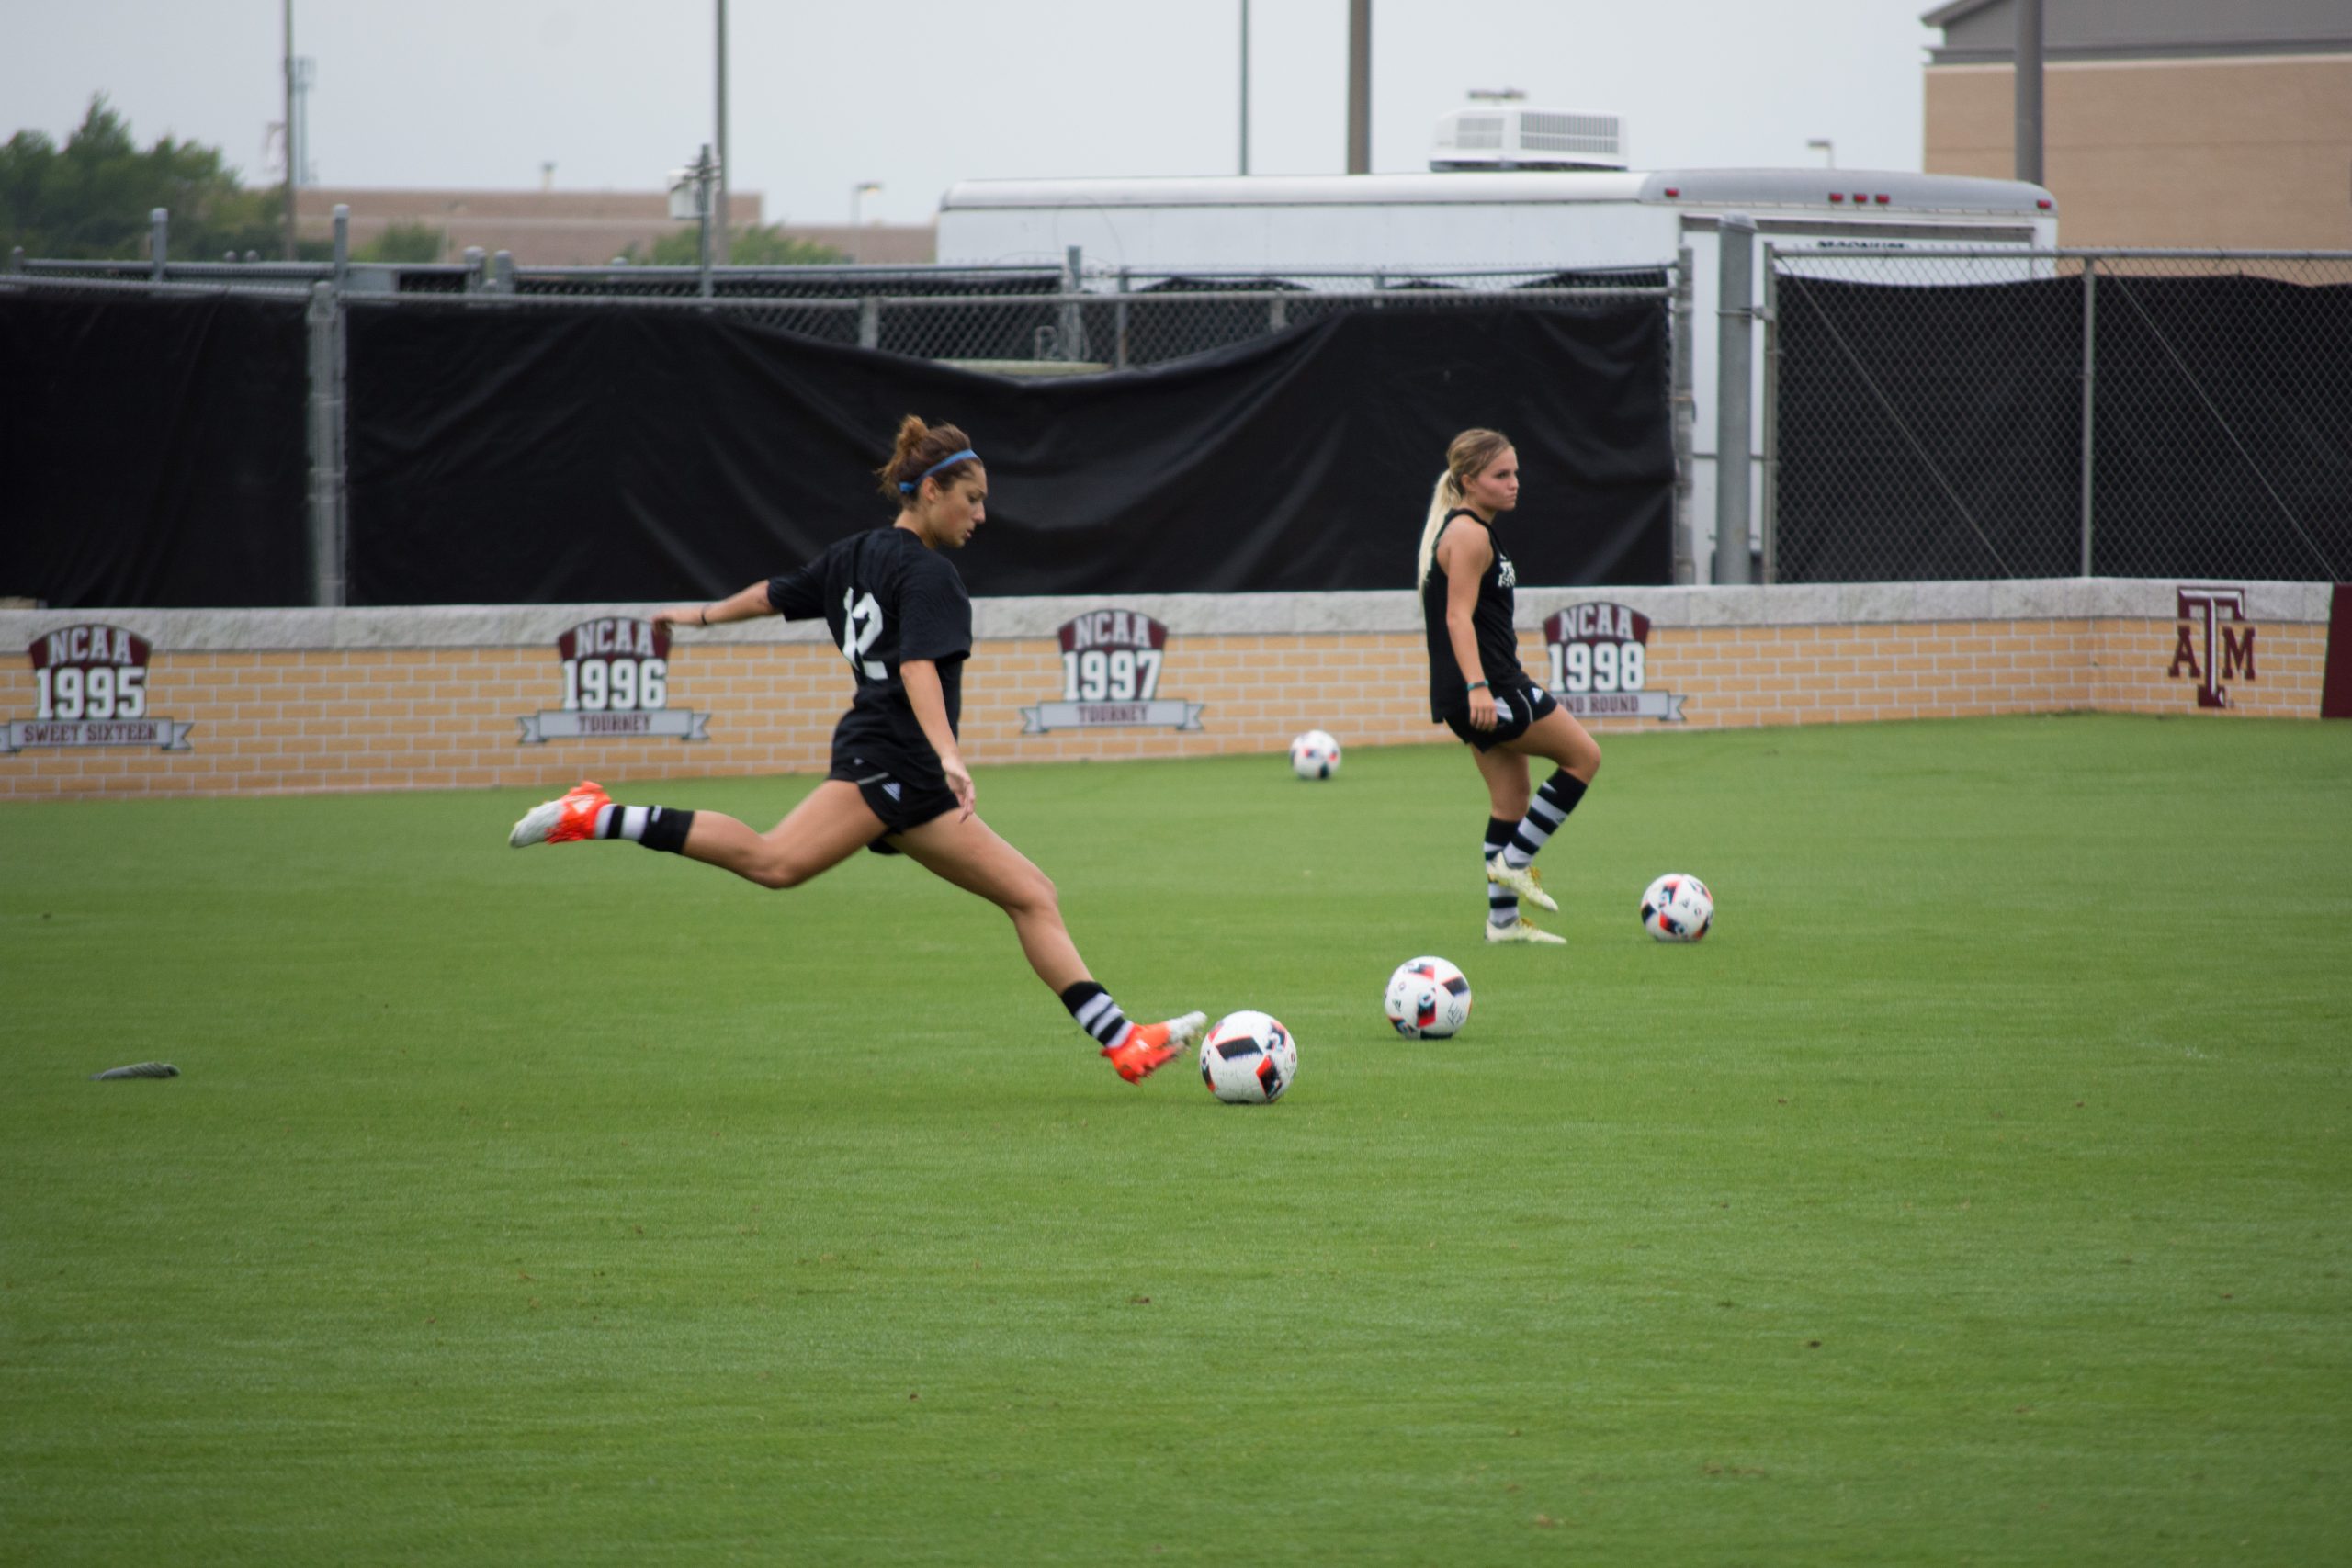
<point>1315,755</point>
<point>1427,998</point>
<point>1249,1059</point>
<point>1677,907</point>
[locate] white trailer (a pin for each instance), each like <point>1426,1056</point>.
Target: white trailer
<point>1527,219</point>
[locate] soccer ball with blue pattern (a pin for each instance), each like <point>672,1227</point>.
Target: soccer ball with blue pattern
<point>1315,755</point>
<point>1249,1059</point>
<point>1677,907</point>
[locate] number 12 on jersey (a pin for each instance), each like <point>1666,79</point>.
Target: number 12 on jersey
<point>861,624</point>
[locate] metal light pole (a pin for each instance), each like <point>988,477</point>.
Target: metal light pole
<point>1359,87</point>
<point>288,139</point>
<point>857,194</point>
<point>2028,91</point>
<point>1825,147</point>
<point>719,248</point>
<point>1245,87</point>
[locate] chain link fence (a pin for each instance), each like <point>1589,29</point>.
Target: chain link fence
<point>1035,320</point>
<point>1975,415</point>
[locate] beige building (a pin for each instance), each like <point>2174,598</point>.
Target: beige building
<point>2166,122</point>
<point>552,228</point>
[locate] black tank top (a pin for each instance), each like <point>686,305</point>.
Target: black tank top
<point>1490,623</point>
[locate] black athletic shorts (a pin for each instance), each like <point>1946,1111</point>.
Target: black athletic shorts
<point>1516,706</point>
<point>900,803</point>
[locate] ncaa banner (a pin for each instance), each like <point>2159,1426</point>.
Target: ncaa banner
<point>90,689</point>
<point>1600,664</point>
<point>615,687</point>
<point>1111,664</point>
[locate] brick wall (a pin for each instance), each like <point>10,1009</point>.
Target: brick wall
<point>308,701</point>
<point>2247,152</point>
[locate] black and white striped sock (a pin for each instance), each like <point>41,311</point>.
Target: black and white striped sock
<point>655,827</point>
<point>1502,903</point>
<point>1097,1013</point>
<point>1545,814</point>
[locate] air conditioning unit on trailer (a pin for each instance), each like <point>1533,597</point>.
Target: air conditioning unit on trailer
<point>1510,137</point>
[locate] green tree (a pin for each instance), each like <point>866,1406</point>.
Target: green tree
<point>90,199</point>
<point>760,245</point>
<point>406,243</point>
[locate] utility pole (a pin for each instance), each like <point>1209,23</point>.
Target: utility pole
<point>1359,87</point>
<point>291,152</point>
<point>719,248</point>
<point>2028,91</point>
<point>1245,87</point>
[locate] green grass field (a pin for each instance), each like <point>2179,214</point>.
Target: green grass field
<point>1979,1192</point>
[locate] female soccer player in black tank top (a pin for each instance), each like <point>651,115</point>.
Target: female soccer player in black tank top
<point>897,611</point>
<point>1480,691</point>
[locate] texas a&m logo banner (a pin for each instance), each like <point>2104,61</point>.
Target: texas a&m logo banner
<point>90,689</point>
<point>1600,659</point>
<point>615,687</point>
<point>1111,664</point>
<point>2212,622</point>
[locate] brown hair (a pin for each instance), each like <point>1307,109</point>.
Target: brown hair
<point>917,447</point>
<point>1467,457</point>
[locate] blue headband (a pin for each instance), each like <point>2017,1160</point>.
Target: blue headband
<point>947,462</point>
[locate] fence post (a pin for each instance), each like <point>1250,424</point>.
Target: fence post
<point>475,263</point>
<point>1686,413</point>
<point>1073,321</point>
<point>1735,363</point>
<point>502,273</point>
<point>2091,402</point>
<point>16,258</point>
<point>323,318</point>
<point>869,322</point>
<point>1119,321</point>
<point>159,241</point>
<point>341,245</point>
<point>1768,507</point>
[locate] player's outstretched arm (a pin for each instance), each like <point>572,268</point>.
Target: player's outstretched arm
<point>749,604</point>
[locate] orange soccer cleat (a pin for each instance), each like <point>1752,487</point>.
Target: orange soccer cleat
<point>561,821</point>
<point>1151,1047</point>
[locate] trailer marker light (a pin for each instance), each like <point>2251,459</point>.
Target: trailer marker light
<point>1837,195</point>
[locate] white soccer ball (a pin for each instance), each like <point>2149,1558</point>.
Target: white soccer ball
<point>1428,1000</point>
<point>1677,907</point>
<point>1315,755</point>
<point>1249,1059</point>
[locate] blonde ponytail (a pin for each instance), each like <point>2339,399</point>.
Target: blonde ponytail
<point>1442,500</point>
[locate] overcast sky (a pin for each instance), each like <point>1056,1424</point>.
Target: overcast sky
<point>919,94</point>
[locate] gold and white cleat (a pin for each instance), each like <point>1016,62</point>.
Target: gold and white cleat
<point>1522,880</point>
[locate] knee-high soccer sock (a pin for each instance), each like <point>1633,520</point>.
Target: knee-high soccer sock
<point>1545,814</point>
<point>1097,1014</point>
<point>655,827</point>
<point>1502,903</point>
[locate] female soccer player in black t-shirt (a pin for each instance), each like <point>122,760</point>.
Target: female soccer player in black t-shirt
<point>1478,686</point>
<point>898,783</point>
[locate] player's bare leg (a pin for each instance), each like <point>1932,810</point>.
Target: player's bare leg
<point>828,826</point>
<point>966,851</point>
<point>832,823</point>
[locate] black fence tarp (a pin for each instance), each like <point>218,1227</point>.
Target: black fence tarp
<point>1936,432</point>
<point>1929,432</point>
<point>556,454</point>
<point>153,452</point>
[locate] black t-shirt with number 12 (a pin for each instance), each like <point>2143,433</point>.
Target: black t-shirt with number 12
<point>887,598</point>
